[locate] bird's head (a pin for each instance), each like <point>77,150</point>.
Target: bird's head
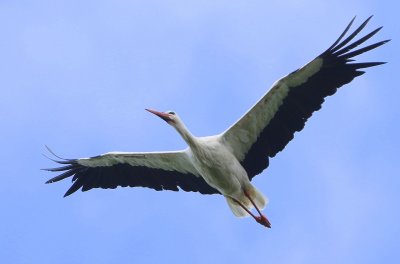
<point>169,116</point>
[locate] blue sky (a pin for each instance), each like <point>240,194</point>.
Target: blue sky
<point>77,75</point>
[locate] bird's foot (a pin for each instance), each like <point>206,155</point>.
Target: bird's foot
<point>262,219</point>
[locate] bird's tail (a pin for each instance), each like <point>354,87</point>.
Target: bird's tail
<point>258,198</point>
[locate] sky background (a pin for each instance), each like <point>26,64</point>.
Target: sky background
<point>77,76</point>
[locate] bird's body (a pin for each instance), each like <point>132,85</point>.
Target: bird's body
<point>226,163</point>
<point>216,163</point>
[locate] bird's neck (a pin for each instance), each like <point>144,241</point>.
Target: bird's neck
<point>186,135</point>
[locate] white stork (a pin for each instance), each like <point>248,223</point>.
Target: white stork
<point>226,163</point>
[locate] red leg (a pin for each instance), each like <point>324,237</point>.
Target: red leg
<point>262,219</point>
<point>244,207</point>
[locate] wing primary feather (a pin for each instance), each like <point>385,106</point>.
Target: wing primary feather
<point>362,65</point>
<point>342,35</point>
<point>358,42</point>
<point>362,50</point>
<point>55,155</point>
<point>352,35</point>
<point>62,176</point>
<point>63,168</point>
<point>59,161</point>
<point>75,186</point>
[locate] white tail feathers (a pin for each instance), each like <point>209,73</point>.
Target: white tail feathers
<point>257,197</point>
<point>236,209</point>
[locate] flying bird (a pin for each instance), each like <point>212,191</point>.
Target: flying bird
<point>226,163</point>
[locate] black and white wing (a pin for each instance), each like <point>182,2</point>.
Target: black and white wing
<point>157,170</point>
<point>270,124</point>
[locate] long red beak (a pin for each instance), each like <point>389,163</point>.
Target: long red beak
<point>162,115</point>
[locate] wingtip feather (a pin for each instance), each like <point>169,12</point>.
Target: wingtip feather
<point>341,35</point>
<point>49,181</point>
<point>350,37</point>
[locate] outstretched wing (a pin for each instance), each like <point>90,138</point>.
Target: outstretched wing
<point>270,124</point>
<point>156,170</point>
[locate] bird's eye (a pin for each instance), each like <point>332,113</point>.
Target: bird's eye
<point>171,113</point>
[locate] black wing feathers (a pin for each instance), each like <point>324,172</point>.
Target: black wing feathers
<point>301,101</point>
<point>124,175</point>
